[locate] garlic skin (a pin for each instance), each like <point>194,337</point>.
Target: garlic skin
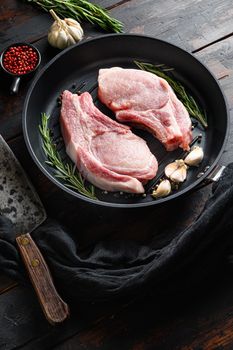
<point>195,157</point>
<point>64,32</point>
<point>176,171</point>
<point>163,189</point>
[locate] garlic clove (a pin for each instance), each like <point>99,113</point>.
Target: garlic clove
<point>70,40</point>
<point>52,37</point>
<point>61,42</point>
<point>71,21</point>
<point>75,32</point>
<point>163,189</point>
<point>195,157</point>
<point>171,167</point>
<point>176,171</point>
<point>179,175</point>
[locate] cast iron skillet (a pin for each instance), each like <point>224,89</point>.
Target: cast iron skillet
<point>76,68</point>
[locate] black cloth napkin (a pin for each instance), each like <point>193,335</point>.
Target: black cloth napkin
<point>110,269</point>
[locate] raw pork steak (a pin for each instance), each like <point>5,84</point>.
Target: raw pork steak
<point>106,153</point>
<point>146,101</point>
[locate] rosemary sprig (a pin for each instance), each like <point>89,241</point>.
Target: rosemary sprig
<point>66,172</point>
<point>82,10</point>
<point>188,100</point>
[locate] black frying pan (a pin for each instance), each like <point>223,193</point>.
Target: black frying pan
<point>76,68</point>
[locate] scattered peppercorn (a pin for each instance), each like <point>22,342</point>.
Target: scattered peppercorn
<point>20,59</point>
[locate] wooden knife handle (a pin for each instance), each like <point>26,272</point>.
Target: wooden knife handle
<point>54,308</point>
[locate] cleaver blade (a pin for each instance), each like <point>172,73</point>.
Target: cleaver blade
<point>20,203</point>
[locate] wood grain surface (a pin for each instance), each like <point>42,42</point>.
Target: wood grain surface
<point>190,24</point>
<point>197,319</point>
<point>164,324</point>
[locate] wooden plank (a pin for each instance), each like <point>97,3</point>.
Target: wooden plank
<point>22,321</point>
<point>22,21</point>
<point>169,20</point>
<point>106,3</point>
<point>190,24</point>
<point>20,318</point>
<point>18,307</point>
<point>218,58</point>
<point>199,319</point>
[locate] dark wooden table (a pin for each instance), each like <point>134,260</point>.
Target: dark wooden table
<point>201,318</point>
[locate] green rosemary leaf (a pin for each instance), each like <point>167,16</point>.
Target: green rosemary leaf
<point>81,10</point>
<point>67,172</point>
<point>188,100</point>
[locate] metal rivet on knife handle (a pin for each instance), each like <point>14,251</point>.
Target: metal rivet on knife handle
<point>24,240</point>
<point>35,262</point>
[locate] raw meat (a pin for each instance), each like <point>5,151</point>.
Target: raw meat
<point>106,153</point>
<point>147,101</point>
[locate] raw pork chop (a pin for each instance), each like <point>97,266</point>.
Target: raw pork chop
<point>146,101</point>
<point>106,153</point>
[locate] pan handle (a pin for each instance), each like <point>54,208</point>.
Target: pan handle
<point>213,177</point>
<point>215,174</point>
<point>54,308</point>
<point>15,86</point>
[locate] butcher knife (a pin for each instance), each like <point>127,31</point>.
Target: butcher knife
<point>20,203</point>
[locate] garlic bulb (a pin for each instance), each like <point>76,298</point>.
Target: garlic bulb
<point>163,189</point>
<point>64,32</point>
<point>195,157</point>
<point>176,171</point>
